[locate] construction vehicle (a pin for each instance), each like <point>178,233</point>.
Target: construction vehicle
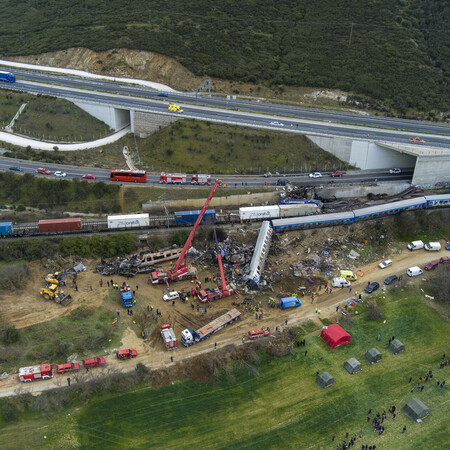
<point>168,335</point>
<point>182,271</point>
<point>190,337</point>
<point>57,278</point>
<point>52,292</point>
<point>126,296</point>
<point>42,372</point>
<point>223,289</point>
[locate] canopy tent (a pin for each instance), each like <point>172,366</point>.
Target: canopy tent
<point>334,335</point>
<point>372,356</point>
<point>325,380</point>
<point>396,347</point>
<point>415,409</point>
<point>352,366</point>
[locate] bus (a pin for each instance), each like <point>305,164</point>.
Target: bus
<point>138,176</point>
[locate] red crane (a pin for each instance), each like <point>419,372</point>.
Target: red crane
<point>182,271</point>
<point>223,289</point>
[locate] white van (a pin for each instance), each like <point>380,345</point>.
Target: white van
<point>414,271</point>
<point>433,246</point>
<point>172,295</point>
<point>415,245</point>
<point>340,282</point>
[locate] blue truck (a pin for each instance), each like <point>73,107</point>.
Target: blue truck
<point>7,76</point>
<point>290,302</point>
<point>6,228</point>
<point>189,217</point>
<point>126,296</point>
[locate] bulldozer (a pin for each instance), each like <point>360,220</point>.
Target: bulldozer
<point>52,292</point>
<point>57,278</point>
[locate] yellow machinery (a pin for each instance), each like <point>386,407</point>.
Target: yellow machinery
<point>52,292</point>
<point>57,278</point>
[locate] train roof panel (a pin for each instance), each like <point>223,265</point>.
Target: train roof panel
<point>313,219</point>
<point>437,197</point>
<point>385,207</point>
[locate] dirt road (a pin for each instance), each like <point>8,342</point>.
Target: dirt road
<point>152,354</point>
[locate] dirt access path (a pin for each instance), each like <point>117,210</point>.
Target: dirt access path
<point>151,352</point>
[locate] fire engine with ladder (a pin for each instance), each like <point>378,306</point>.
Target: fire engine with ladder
<point>182,271</point>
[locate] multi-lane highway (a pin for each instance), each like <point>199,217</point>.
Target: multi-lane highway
<point>251,113</point>
<point>6,164</point>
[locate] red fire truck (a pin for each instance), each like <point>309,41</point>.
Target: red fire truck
<point>254,334</point>
<point>172,178</point>
<point>201,179</point>
<point>42,372</point>
<point>168,335</point>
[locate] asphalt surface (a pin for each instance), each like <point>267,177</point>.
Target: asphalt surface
<point>245,113</point>
<point>357,176</point>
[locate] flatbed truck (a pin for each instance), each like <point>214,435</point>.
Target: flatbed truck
<point>190,337</point>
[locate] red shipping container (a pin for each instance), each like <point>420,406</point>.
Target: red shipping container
<point>55,225</point>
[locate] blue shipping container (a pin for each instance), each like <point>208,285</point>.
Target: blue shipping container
<point>192,216</point>
<point>5,228</point>
<point>290,302</point>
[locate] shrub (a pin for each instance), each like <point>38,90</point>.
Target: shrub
<point>10,335</point>
<point>9,414</point>
<point>374,310</point>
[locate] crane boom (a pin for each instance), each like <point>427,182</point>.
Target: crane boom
<point>219,260</point>
<point>188,243</point>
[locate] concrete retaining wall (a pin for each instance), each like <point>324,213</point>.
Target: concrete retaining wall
<point>113,117</point>
<point>431,170</point>
<point>362,191</point>
<point>229,202</point>
<point>144,124</point>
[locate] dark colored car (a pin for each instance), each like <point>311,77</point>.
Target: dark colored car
<point>282,182</point>
<point>163,94</point>
<point>371,287</point>
<point>390,279</point>
<point>15,169</point>
<point>432,265</point>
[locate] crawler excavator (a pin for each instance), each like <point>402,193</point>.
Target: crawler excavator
<point>58,278</point>
<point>53,292</point>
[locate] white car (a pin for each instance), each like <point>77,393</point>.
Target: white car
<point>277,124</point>
<point>315,175</point>
<point>60,174</point>
<point>396,170</point>
<point>385,264</point>
<point>172,295</point>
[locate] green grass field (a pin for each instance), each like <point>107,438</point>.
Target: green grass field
<point>281,406</point>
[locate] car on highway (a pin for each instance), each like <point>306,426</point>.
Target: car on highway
<point>431,265</point>
<point>88,176</point>
<point>67,367</point>
<point>315,175</point>
<point>43,171</point>
<point>277,124</point>
<point>417,140</point>
<point>283,182</point>
<point>126,353</point>
<point>385,264</point>
<point>395,170</point>
<point>163,94</point>
<point>336,173</point>
<point>174,108</point>
<point>16,169</point>
<point>390,280</point>
<point>371,287</point>
<point>58,173</point>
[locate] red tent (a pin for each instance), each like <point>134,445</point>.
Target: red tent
<point>334,335</point>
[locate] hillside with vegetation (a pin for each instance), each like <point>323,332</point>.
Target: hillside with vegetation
<point>396,52</point>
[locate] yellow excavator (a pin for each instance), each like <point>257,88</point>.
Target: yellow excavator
<point>58,278</point>
<point>52,292</point>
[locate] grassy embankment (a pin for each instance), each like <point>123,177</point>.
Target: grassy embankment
<point>279,406</point>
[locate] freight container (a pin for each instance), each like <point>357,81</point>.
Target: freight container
<point>192,216</point>
<point>259,212</point>
<point>129,221</point>
<point>298,210</point>
<point>56,225</point>
<point>6,228</point>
